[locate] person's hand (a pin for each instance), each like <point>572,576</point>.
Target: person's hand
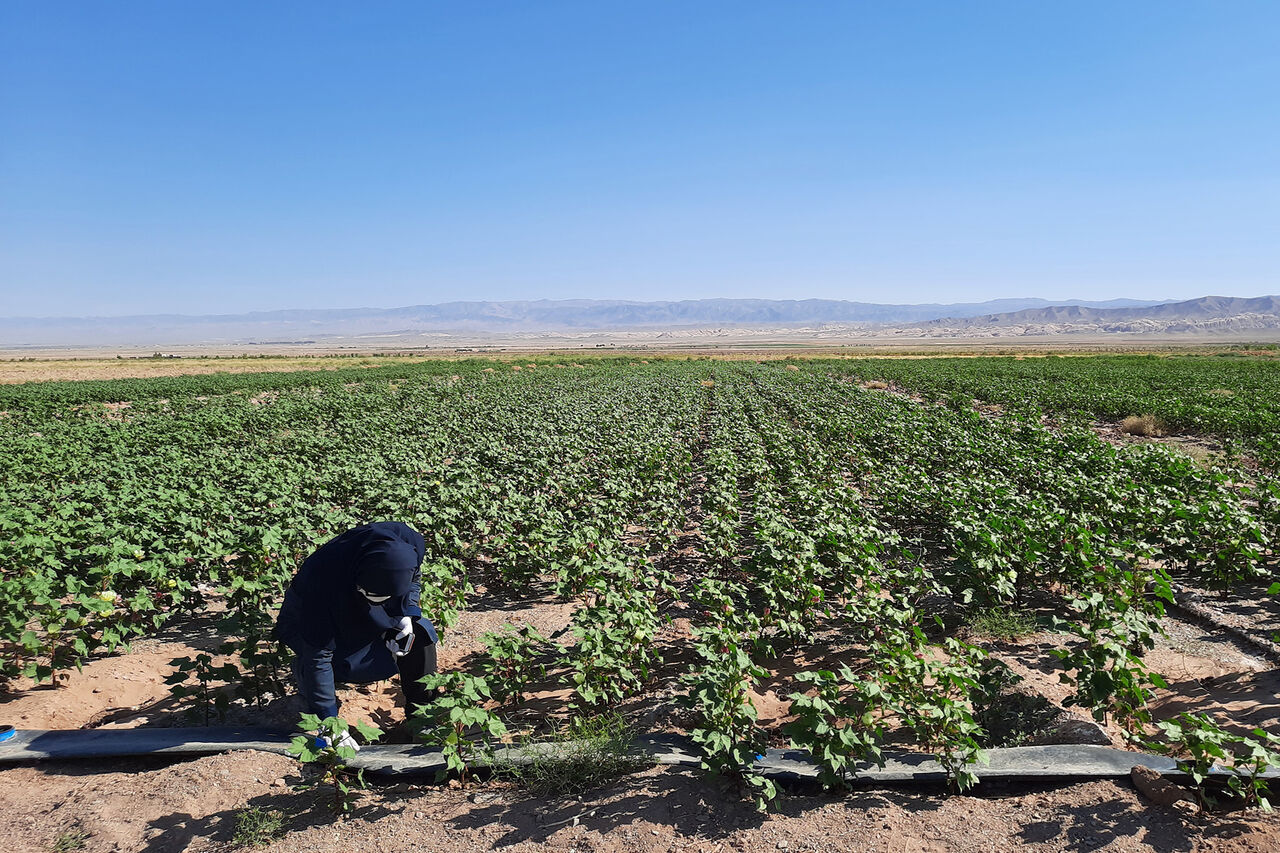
<point>345,739</point>
<point>400,642</point>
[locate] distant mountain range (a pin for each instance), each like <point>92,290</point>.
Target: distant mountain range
<point>529,319</point>
<point>515,316</point>
<point>1204,308</point>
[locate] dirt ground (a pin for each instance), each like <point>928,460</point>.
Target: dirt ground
<point>152,805</point>
<point>148,805</point>
<point>135,366</point>
<point>69,363</point>
<point>192,806</point>
<point>1207,672</point>
<point>63,369</point>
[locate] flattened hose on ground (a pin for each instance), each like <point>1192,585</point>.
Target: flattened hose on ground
<point>1027,763</point>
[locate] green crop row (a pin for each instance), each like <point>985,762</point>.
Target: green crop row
<point>803,505</point>
<point>1231,398</point>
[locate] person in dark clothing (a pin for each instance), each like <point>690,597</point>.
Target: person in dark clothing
<point>352,615</point>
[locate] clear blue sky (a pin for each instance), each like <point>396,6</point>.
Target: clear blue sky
<point>214,157</point>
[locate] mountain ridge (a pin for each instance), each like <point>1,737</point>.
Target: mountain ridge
<point>1203,308</point>
<point>499,307</point>
<point>522,318</point>
<point>493,316</point>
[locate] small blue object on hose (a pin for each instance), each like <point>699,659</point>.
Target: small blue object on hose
<point>6,732</point>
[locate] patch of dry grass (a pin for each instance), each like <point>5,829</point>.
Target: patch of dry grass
<point>875,385</point>
<point>1202,456</point>
<point>1146,425</point>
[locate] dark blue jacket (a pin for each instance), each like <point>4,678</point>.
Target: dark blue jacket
<point>336,632</point>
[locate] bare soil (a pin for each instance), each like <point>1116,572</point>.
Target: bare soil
<point>64,369</point>
<point>155,805</point>
<point>68,363</point>
<point>192,806</point>
<point>149,805</point>
<point>1205,450</point>
<point>1246,608</point>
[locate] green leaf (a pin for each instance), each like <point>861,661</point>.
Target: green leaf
<point>368,731</point>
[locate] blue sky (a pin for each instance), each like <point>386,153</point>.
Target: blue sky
<point>217,157</point>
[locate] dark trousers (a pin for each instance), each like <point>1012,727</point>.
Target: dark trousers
<point>313,673</point>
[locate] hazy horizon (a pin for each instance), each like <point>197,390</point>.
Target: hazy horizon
<point>1118,301</point>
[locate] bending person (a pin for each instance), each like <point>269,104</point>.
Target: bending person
<point>352,615</point>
